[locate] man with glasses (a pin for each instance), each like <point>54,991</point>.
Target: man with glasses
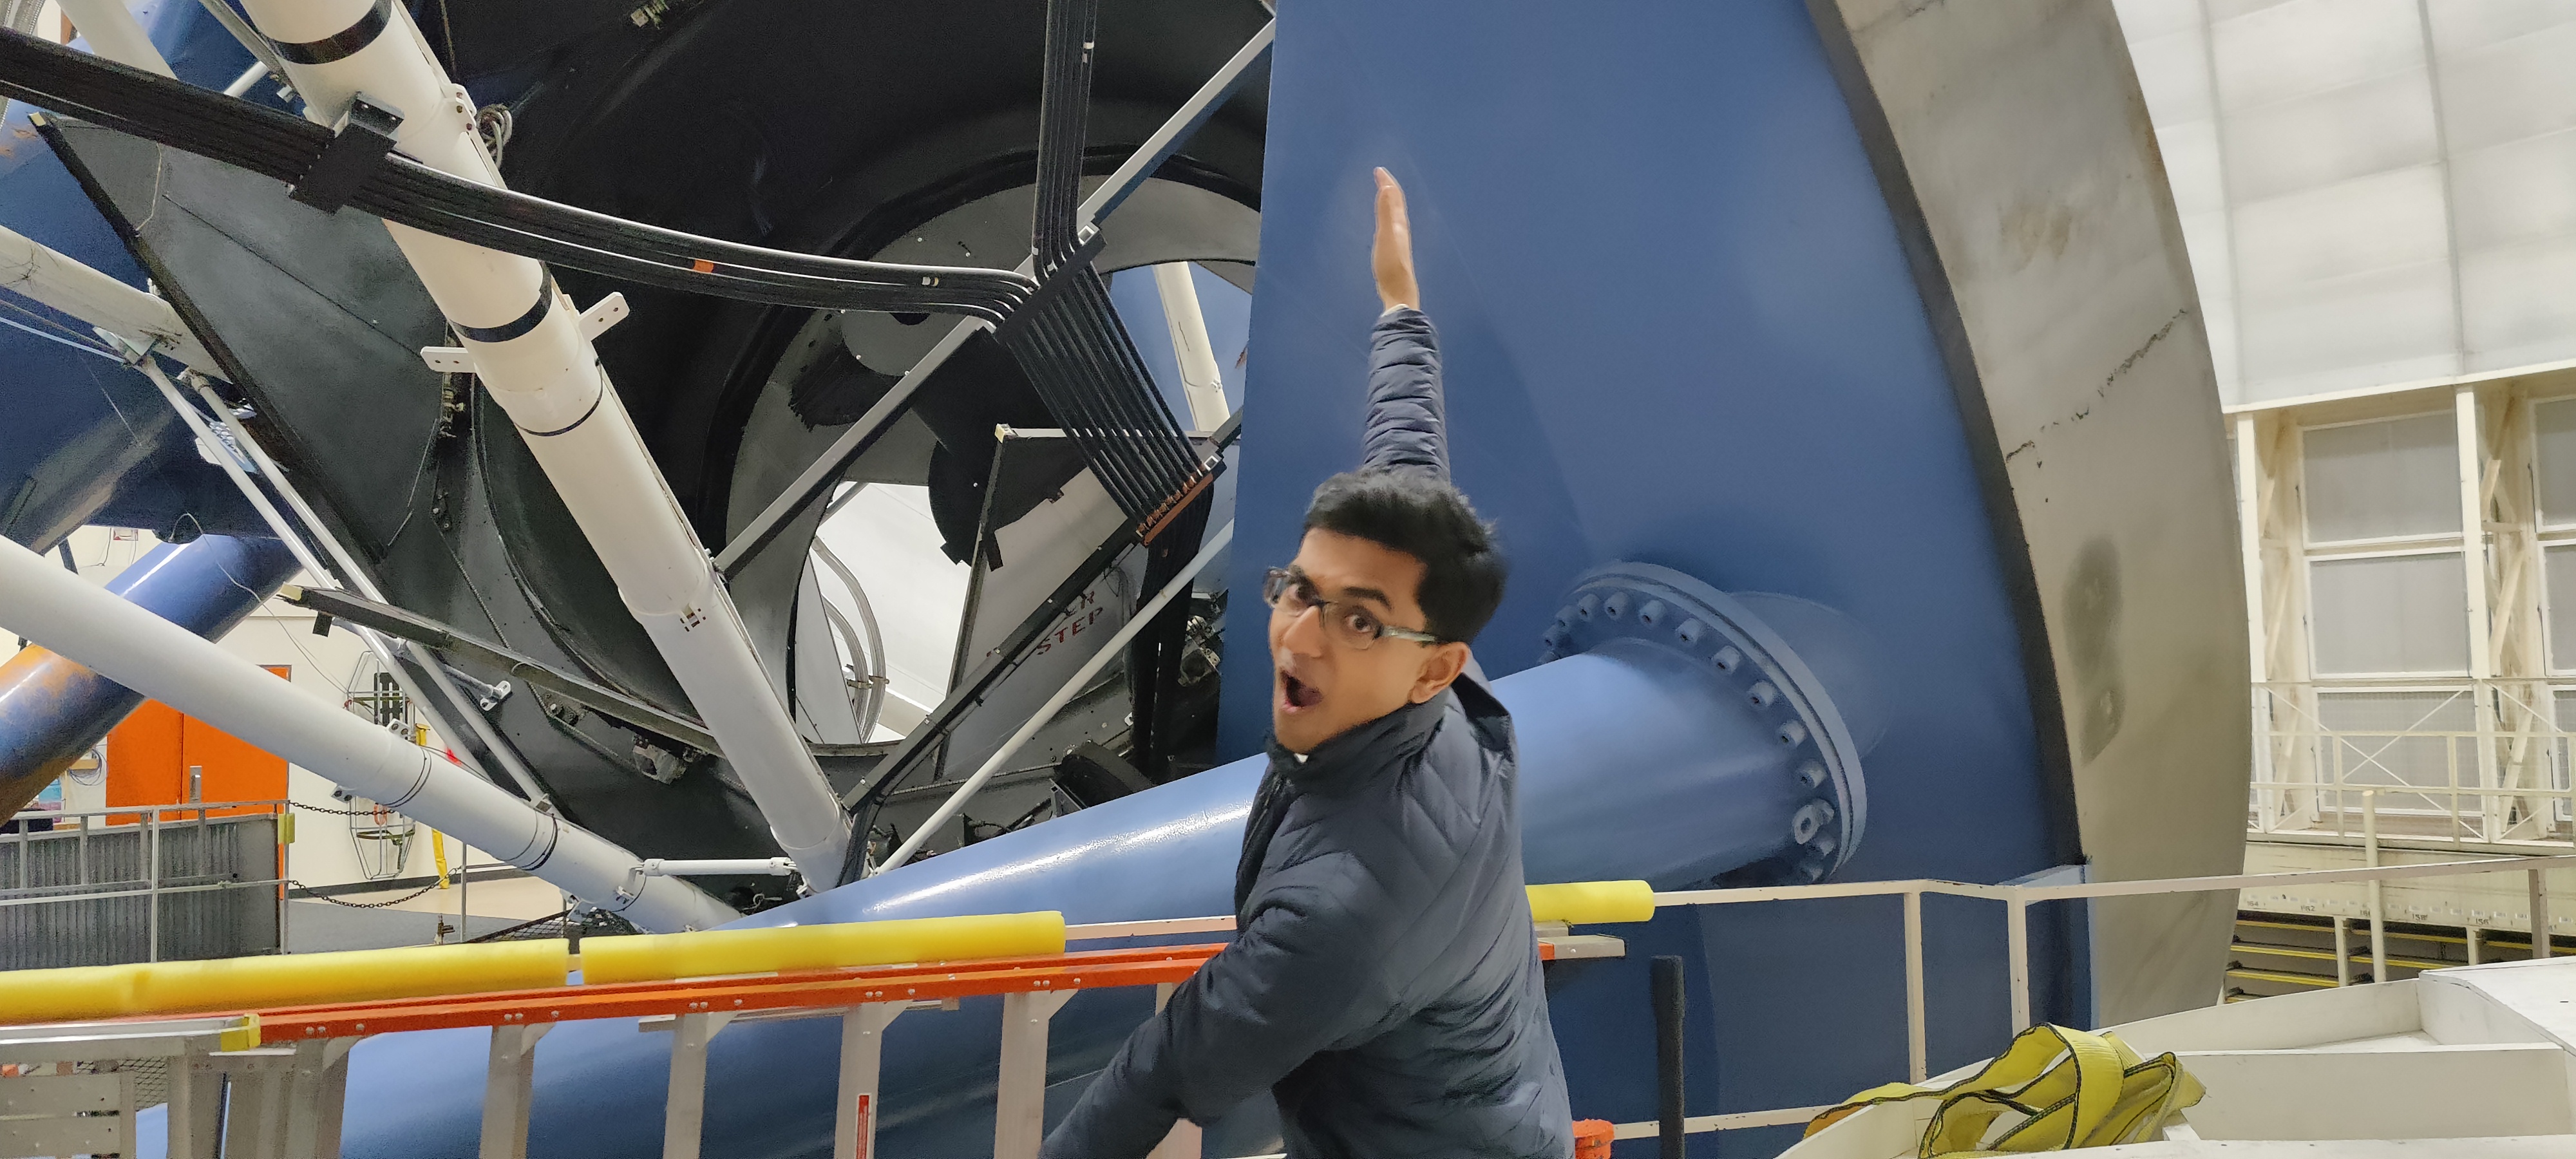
<point>1383,982</point>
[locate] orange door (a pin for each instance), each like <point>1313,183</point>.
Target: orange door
<point>150,753</point>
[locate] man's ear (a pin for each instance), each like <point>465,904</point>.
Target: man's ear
<point>1441,665</point>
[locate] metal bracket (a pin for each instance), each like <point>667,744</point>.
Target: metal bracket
<point>595,321</point>
<point>603,314</point>
<point>365,138</point>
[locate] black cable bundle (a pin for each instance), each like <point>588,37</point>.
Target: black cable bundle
<point>1068,338</point>
<point>285,148</point>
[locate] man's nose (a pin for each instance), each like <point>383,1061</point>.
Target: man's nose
<point>1305,634</point>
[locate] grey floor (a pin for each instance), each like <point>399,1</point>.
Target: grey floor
<point>314,926</point>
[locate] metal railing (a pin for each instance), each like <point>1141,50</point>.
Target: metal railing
<point>75,888</point>
<point>866,999</point>
<point>2469,764</point>
<point>2016,900</point>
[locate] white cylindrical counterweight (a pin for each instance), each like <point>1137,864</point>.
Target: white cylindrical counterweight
<point>528,348</point>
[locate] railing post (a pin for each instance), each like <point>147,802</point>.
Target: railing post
<point>196,1106</point>
<point>317,1095</point>
<point>2017,952</point>
<point>684,1115</point>
<point>1917,1046</point>
<point>2540,946</point>
<point>152,884</point>
<point>1666,978</point>
<point>1185,1141</point>
<point>2370,857</point>
<point>509,1086</point>
<point>854,1121</point>
<point>2474,939</point>
<point>1019,1114</point>
<point>2343,951</point>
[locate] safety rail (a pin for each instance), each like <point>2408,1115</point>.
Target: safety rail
<point>89,844</point>
<point>270,1037</point>
<point>293,1073</point>
<point>2484,761</point>
<point>2017,900</point>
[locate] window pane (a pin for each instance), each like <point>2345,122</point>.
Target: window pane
<point>2554,424</point>
<point>2406,613</point>
<point>2558,568</point>
<point>2371,480</point>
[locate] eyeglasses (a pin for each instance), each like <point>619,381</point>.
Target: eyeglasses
<point>1349,624</point>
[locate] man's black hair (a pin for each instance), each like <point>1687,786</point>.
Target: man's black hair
<point>1418,513</point>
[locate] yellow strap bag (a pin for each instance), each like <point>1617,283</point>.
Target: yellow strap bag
<point>2065,1088</point>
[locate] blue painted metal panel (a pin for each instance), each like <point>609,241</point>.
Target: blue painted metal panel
<point>1678,327</point>
<point>96,439</point>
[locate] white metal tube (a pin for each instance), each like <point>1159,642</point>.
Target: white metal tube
<point>41,275</point>
<point>249,76</point>
<point>527,346</point>
<point>1116,645</point>
<point>1201,383</point>
<point>2017,960</point>
<point>114,33</point>
<point>2540,946</point>
<point>286,533</point>
<point>712,867</point>
<point>166,662</point>
<point>1917,1040</point>
<point>354,578</point>
<point>2370,855</point>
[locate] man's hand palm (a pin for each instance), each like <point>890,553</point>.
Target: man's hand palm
<point>1391,255</point>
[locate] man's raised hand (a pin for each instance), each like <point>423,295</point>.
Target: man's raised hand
<point>1391,255</point>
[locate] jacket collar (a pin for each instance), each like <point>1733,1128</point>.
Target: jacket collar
<point>1364,749</point>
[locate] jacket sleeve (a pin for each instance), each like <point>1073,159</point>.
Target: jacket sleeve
<point>1405,414</point>
<point>1297,980</point>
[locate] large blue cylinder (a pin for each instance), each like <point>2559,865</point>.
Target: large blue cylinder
<point>1640,757</point>
<point>53,709</point>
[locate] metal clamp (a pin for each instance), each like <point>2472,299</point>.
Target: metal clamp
<point>365,137</point>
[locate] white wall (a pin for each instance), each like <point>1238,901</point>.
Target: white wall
<point>2373,192</point>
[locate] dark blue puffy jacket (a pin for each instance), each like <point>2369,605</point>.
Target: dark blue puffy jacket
<point>1383,982</point>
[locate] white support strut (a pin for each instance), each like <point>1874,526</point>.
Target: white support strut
<point>151,655</point>
<point>41,275</point>
<point>1114,648</point>
<point>530,347</point>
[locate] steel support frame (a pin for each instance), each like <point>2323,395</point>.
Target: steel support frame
<point>533,352</point>
<point>1019,1112</point>
<point>854,1117</point>
<point>509,1089</point>
<point>820,476</point>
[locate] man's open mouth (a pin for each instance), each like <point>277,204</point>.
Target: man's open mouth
<point>1298,695</point>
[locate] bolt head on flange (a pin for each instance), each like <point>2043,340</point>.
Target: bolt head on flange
<point>1637,601</point>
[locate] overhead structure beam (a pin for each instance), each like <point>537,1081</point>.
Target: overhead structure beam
<point>113,32</point>
<point>1100,658</point>
<point>393,621</point>
<point>819,477</point>
<point>527,344</point>
<point>48,278</point>
<point>1177,130</point>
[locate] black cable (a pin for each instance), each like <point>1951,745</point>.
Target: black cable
<point>285,148</point>
<point>1063,104</point>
